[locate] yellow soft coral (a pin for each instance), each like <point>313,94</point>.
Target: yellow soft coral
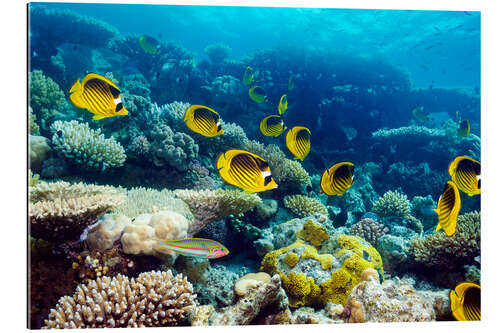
<point>313,233</point>
<point>291,259</point>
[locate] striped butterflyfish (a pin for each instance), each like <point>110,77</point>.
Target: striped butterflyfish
<point>245,170</point>
<point>337,179</point>
<point>193,247</point>
<point>447,208</point>
<point>298,141</point>
<point>283,104</point>
<point>258,94</point>
<point>465,301</point>
<point>149,44</point>
<point>203,120</point>
<point>466,173</point>
<point>272,126</point>
<point>248,76</point>
<point>99,95</point>
<point>463,130</point>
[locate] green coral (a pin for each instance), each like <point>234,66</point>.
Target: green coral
<point>303,206</point>
<point>440,251</point>
<point>32,178</point>
<point>313,233</point>
<point>85,146</point>
<point>45,96</point>
<point>33,127</point>
<point>392,203</point>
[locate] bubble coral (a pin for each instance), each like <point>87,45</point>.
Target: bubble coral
<point>153,299</point>
<point>369,229</point>
<point>392,203</point>
<point>440,251</point>
<point>85,146</point>
<point>303,206</point>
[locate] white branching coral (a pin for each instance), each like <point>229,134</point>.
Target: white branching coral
<point>303,206</point>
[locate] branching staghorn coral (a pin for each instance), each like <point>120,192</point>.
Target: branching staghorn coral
<point>440,251</point>
<point>152,299</point>
<point>85,146</point>
<point>392,203</point>
<point>209,206</point>
<point>369,229</point>
<point>303,206</point>
<point>60,211</point>
<point>140,200</point>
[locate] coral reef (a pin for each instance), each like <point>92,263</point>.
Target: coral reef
<point>302,205</point>
<point>443,252</point>
<point>106,231</point>
<point>369,229</point>
<point>33,128</point>
<point>39,150</point>
<point>217,52</point>
<point>153,299</point>
<point>392,204</point>
<point>250,280</point>
<point>84,146</point>
<point>394,251</point>
<point>60,211</point>
<point>423,209</point>
<point>209,206</point>
<point>45,97</point>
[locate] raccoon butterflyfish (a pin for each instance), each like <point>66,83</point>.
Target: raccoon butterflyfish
<point>203,120</point>
<point>465,301</point>
<point>194,247</point>
<point>298,141</point>
<point>421,115</point>
<point>447,208</point>
<point>99,95</point>
<point>149,44</point>
<point>245,170</point>
<point>248,76</point>
<point>466,173</point>
<point>291,82</point>
<point>272,126</point>
<point>463,129</point>
<point>283,104</point>
<point>337,179</point>
<point>257,94</point>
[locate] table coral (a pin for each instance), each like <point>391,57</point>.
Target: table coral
<point>392,203</point>
<point>153,299</point>
<point>60,211</point>
<point>89,148</point>
<point>440,251</point>
<point>213,205</point>
<point>303,206</point>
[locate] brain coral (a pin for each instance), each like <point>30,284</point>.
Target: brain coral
<point>302,205</point>
<point>85,146</point>
<point>152,299</point>
<point>314,276</point>
<point>60,211</point>
<point>440,251</point>
<point>392,204</point>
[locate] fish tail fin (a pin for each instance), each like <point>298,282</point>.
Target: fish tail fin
<point>75,95</point>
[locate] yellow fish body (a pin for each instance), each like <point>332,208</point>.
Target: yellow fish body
<point>245,170</point>
<point>99,95</point>
<point>272,126</point>
<point>466,173</point>
<point>203,120</point>
<point>420,115</point>
<point>248,76</point>
<point>149,44</point>
<point>447,208</point>
<point>463,130</point>
<point>337,179</point>
<point>465,301</point>
<point>291,82</point>
<point>283,104</point>
<point>258,94</point>
<point>298,141</point>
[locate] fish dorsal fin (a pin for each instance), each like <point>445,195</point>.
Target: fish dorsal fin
<point>114,91</point>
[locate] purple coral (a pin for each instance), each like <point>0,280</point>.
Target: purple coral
<point>369,229</point>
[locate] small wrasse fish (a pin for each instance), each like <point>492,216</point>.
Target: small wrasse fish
<point>298,141</point>
<point>465,301</point>
<point>149,44</point>
<point>203,120</point>
<point>245,170</point>
<point>99,95</point>
<point>466,173</point>
<point>195,247</point>
<point>421,115</point>
<point>258,94</point>
<point>447,208</point>
<point>337,179</point>
<point>272,126</point>
<point>291,82</point>
<point>283,104</point>
<point>463,130</point>
<point>248,76</point>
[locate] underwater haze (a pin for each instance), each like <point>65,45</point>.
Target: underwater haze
<point>252,165</point>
